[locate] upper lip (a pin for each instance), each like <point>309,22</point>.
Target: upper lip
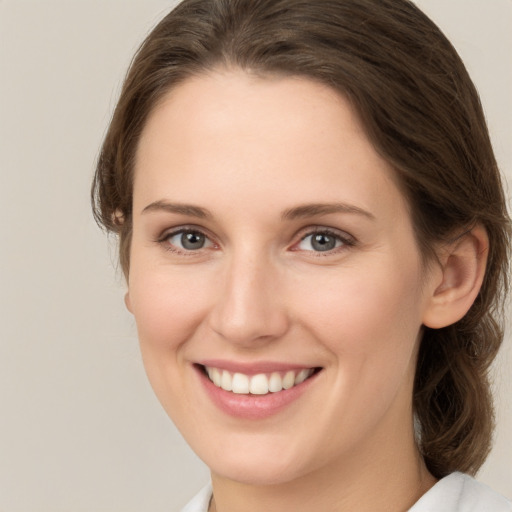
<point>253,368</point>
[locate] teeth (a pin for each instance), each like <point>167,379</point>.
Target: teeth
<point>240,384</point>
<point>226,381</point>
<point>302,376</point>
<point>216,377</point>
<point>289,380</point>
<point>275,383</point>
<point>260,384</point>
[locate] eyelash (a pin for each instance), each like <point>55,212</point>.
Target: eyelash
<point>347,241</point>
<point>163,240</point>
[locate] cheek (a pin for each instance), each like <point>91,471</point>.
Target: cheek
<point>362,316</point>
<point>168,307</point>
<point>369,322</point>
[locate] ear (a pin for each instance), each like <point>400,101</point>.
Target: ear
<point>118,217</point>
<point>463,265</point>
<point>127,302</point>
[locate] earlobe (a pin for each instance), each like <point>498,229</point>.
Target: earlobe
<point>463,265</point>
<point>127,302</point>
<point>118,217</point>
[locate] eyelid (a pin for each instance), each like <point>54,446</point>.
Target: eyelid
<point>163,238</point>
<point>347,239</point>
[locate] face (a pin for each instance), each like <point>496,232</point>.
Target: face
<point>273,254</point>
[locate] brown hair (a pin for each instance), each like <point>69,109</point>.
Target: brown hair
<point>423,115</point>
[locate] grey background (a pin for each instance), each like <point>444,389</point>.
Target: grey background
<point>80,429</point>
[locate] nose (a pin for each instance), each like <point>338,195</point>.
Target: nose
<point>250,308</point>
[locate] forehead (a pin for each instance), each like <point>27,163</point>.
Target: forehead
<point>234,131</point>
<point>242,102</point>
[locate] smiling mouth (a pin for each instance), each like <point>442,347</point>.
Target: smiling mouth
<point>259,384</point>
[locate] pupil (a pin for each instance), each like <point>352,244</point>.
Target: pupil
<point>323,242</point>
<point>192,241</point>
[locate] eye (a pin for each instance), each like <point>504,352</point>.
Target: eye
<point>323,241</point>
<point>186,240</point>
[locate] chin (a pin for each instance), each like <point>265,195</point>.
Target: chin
<point>258,466</point>
<point>261,474</point>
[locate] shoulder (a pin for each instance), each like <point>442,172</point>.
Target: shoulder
<point>200,501</point>
<point>461,493</point>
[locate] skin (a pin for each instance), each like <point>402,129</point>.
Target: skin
<point>247,149</point>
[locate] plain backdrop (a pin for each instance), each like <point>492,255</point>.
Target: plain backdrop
<point>80,429</point>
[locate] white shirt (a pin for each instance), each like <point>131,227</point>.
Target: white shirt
<point>455,493</point>
<point>200,501</point>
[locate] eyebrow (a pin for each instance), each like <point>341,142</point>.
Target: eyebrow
<point>315,209</point>
<point>298,212</point>
<point>179,208</point>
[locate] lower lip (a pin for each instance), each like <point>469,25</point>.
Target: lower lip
<point>253,407</point>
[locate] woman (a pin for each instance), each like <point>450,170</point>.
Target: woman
<point>315,240</point>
